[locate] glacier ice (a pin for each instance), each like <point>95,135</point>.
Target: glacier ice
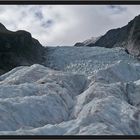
<point>79,91</point>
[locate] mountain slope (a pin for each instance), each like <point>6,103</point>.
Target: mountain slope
<point>127,37</point>
<point>18,48</point>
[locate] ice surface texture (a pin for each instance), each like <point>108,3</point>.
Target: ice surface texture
<point>81,91</point>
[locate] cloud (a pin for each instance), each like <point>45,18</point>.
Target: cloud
<point>117,8</point>
<point>66,24</point>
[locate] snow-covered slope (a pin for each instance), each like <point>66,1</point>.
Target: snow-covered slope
<point>88,42</point>
<point>81,91</point>
<point>91,40</point>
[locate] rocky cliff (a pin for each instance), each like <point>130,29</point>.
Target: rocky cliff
<point>18,48</point>
<point>127,36</point>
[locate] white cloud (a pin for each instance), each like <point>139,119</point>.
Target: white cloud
<point>66,24</point>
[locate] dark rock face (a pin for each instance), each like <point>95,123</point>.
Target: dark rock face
<point>78,44</point>
<point>127,37</point>
<point>18,48</point>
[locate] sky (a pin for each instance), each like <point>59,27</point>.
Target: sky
<point>57,25</point>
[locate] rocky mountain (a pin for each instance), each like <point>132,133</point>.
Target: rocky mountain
<point>127,37</point>
<point>17,49</point>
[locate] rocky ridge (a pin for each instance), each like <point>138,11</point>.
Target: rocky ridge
<point>17,49</point>
<point>127,37</point>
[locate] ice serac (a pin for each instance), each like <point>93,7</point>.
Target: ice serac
<point>33,96</point>
<point>93,91</point>
<point>17,49</point>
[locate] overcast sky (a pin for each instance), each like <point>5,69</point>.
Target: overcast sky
<point>66,24</point>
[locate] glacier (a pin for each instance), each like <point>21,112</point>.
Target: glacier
<point>76,91</point>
